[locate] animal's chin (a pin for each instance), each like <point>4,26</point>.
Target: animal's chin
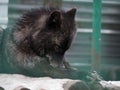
<point>55,61</point>
<point>56,65</point>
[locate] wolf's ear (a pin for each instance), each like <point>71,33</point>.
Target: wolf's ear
<point>71,12</point>
<point>54,19</point>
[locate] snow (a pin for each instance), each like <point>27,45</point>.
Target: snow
<point>15,82</point>
<point>111,85</point>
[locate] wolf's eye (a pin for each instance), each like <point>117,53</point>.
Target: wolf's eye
<point>58,49</point>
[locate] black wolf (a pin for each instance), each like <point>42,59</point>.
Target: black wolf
<point>41,34</point>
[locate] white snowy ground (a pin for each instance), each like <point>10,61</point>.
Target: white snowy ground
<point>17,82</point>
<point>111,85</point>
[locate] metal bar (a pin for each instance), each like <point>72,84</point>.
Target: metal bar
<point>96,35</point>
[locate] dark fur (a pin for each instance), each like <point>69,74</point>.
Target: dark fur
<point>42,34</point>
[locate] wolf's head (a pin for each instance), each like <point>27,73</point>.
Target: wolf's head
<point>46,32</point>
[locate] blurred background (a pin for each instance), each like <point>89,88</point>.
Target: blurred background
<point>79,55</point>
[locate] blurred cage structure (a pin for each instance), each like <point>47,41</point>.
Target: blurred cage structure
<point>79,55</point>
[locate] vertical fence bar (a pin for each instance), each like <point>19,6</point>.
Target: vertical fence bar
<point>96,35</point>
<point>3,26</point>
<point>3,13</point>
